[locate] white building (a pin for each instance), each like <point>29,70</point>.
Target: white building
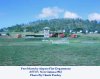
<point>46,32</point>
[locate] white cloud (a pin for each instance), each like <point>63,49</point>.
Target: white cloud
<point>71,15</point>
<point>50,12</point>
<point>94,16</point>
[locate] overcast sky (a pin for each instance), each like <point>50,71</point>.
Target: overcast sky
<point>23,11</point>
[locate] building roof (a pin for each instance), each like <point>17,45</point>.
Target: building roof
<point>46,28</point>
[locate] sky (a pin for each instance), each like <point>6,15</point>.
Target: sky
<point>14,12</point>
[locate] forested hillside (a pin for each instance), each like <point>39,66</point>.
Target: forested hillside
<point>55,24</point>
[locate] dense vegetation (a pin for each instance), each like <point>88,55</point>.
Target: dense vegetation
<point>56,24</point>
